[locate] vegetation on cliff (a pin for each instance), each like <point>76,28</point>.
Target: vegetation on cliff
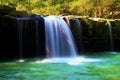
<point>91,8</point>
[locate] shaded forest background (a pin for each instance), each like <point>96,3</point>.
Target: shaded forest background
<point>90,8</point>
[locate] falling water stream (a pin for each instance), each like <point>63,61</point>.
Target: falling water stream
<point>59,39</point>
<point>20,33</point>
<point>111,37</point>
<point>20,27</point>
<point>78,24</point>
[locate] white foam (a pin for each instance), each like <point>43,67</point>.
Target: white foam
<point>21,60</point>
<point>71,61</point>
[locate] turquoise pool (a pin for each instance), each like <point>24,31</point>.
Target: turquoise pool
<point>107,68</point>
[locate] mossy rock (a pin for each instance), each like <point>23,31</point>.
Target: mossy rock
<point>11,12</point>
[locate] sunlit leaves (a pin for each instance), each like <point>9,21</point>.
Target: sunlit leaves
<point>93,8</point>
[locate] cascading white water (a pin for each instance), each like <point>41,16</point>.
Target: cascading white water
<point>60,45</point>
<point>59,39</point>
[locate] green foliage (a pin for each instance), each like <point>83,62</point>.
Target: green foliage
<point>92,8</point>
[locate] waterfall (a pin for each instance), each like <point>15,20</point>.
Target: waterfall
<point>59,39</point>
<point>111,37</point>
<point>20,22</point>
<point>78,24</point>
<point>20,32</point>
